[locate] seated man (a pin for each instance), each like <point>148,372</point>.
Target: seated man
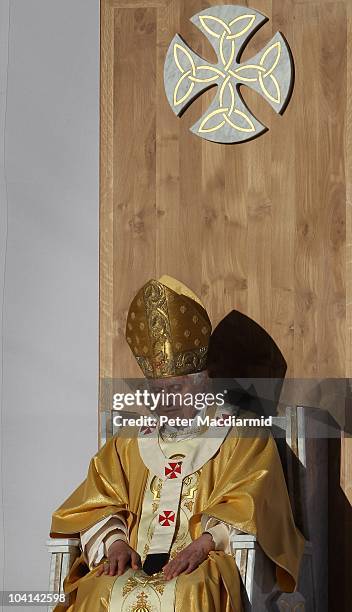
<point>157,509</point>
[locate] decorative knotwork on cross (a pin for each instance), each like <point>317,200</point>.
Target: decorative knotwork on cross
<point>269,72</point>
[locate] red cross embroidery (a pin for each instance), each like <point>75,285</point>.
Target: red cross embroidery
<point>148,430</point>
<point>166,518</point>
<point>173,469</point>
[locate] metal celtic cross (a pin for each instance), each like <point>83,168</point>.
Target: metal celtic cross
<point>187,75</point>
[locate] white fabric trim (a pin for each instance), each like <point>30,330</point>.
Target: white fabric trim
<point>220,535</point>
<point>92,539</point>
<point>113,537</point>
<point>155,460</point>
<point>221,532</point>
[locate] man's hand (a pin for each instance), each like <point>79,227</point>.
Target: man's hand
<point>120,558</point>
<point>190,557</point>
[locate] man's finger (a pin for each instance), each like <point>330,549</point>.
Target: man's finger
<point>172,568</point>
<point>113,566</point>
<point>191,567</point>
<point>136,560</point>
<point>122,562</point>
<point>106,567</point>
<point>179,568</point>
<point>169,568</point>
<point>180,558</point>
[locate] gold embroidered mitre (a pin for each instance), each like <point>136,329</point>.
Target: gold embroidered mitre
<point>168,329</point>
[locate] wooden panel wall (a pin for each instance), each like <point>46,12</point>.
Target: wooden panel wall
<point>259,226</point>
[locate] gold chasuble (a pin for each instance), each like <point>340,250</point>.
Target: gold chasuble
<point>235,477</point>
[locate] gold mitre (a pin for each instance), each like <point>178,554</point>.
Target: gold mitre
<point>168,329</point>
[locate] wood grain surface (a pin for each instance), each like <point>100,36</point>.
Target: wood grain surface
<point>258,226</point>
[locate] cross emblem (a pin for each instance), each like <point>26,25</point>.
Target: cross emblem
<point>187,75</point>
<point>166,518</point>
<point>173,469</point>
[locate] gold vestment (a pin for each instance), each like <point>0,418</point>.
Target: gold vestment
<point>242,485</point>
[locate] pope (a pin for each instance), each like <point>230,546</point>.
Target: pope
<point>159,505</point>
